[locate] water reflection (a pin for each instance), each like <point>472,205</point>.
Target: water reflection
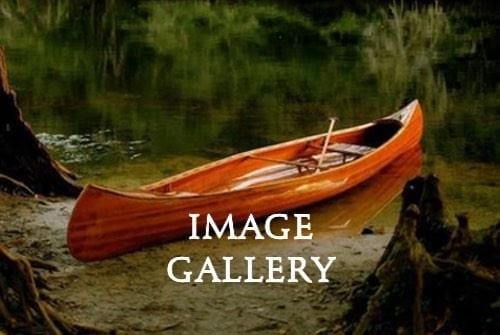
<point>81,149</point>
<point>201,80</point>
<point>349,213</point>
<point>195,77</point>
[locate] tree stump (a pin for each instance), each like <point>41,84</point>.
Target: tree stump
<point>25,164</point>
<point>22,308</point>
<point>433,277</point>
<point>26,168</point>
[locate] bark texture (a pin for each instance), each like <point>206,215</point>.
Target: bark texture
<point>23,309</point>
<point>26,166</point>
<point>434,278</point>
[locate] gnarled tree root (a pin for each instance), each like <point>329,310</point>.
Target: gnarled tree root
<point>433,277</point>
<point>22,309</point>
<point>12,186</point>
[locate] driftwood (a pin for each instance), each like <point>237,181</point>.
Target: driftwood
<point>433,277</point>
<point>22,308</point>
<point>26,167</point>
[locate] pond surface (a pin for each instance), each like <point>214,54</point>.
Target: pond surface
<point>129,92</point>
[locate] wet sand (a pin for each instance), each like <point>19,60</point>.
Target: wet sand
<point>134,295</point>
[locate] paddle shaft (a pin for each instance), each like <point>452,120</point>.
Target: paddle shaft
<point>325,145</point>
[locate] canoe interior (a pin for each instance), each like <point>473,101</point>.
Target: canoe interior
<point>290,160</point>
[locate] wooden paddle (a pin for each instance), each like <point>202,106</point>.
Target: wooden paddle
<point>325,145</point>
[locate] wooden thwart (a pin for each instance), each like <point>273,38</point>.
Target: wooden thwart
<point>343,148</point>
<point>346,149</point>
<point>282,161</point>
<point>285,169</point>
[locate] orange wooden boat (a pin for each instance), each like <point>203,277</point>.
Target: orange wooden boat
<point>272,179</point>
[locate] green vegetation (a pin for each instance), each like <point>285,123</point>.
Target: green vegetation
<point>191,78</point>
<point>402,48</point>
<point>349,28</point>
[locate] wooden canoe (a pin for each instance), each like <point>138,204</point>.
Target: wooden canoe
<point>273,179</point>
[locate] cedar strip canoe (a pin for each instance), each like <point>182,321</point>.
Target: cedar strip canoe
<point>273,179</point>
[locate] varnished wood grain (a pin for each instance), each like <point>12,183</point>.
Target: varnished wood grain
<point>108,223</point>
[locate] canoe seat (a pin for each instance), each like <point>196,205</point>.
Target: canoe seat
<point>337,154</point>
<point>349,151</point>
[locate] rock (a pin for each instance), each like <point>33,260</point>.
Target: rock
<point>367,231</point>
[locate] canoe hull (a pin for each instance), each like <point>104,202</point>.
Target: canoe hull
<point>107,223</point>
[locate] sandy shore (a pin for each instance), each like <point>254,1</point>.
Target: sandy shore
<point>133,294</point>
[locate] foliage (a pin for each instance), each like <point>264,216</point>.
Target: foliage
<point>209,79</point>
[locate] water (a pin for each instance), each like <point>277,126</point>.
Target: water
<point>127,93</point>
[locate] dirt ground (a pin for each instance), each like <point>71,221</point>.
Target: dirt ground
<point>134,295</point>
